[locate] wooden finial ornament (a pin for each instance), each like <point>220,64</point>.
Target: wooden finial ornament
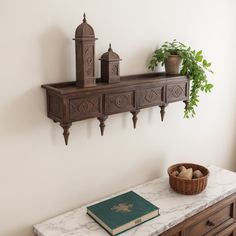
<point>186,104</point>
<point>84,20</point>
<point>135,117</point>
<point>163,112</point>
<point>102,125</point>
<point>66,132</point>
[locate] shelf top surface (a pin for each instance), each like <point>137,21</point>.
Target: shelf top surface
<point>131,80</point>
<point>174,208</point>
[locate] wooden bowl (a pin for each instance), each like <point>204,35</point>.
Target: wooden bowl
<point>186,186</point>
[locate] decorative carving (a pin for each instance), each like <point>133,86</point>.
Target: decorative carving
<point>123,100</point>
<point>135,117</point>
<point>115,69</point>
<point>102,125</point>
<point>151,96</point>
<point>88,56</point>
<point>163,107</point>
<point>66,132</point>
<point>120,102</point>
<point>176,92</point>
<point>85,107</point>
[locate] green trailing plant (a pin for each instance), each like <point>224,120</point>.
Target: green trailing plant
<point>194,65</point>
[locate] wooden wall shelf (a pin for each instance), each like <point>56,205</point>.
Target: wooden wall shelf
<point>67,103</point>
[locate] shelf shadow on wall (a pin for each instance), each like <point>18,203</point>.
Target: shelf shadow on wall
<point>56,60</point>
<point>27,110</point>
<point>24,112</point>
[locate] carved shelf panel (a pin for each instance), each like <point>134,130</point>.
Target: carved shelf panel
<point>119,102</point>
<point>176,92</point>
<point>152,96</point>
<point>85,107</point>
<point>67,103</point>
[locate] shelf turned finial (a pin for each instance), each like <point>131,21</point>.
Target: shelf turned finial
<point>163,107</point>
<point>66,132</point>
<point>102,125</point>
<point>135,117</point>
<point>186,104</point>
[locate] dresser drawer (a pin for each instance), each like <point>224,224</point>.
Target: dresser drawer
<point>151,96</point>
<point>177,92</point>
<point>85,107</point>
<point>119,102</point>
<point>230,231</point>
<point>211,222</point>
<point>176,234</point>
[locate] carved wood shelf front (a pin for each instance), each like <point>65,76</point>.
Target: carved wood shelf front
<point>67,103</point>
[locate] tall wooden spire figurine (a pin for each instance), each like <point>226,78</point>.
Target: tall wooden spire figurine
<point>110,68</point>
<point>85,52</point>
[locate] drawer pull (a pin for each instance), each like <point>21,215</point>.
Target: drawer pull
<point>210,223</point>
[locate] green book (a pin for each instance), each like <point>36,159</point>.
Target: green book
<point>123,212</point>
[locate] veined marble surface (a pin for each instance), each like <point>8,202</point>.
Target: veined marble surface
<point>174,208</point>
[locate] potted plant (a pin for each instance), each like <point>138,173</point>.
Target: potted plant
<point>177,57</point>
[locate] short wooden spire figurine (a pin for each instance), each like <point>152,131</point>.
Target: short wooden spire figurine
<point>110,68</point>
<point>85,53</point>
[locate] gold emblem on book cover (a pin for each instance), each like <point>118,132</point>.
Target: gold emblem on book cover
<point>122,207</point>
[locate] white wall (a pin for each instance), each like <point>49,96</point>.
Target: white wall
<point>39,176</point>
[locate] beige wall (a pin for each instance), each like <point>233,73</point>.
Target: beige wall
<point>39,176</point>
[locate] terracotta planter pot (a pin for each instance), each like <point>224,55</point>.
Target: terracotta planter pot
<point>172,64</point>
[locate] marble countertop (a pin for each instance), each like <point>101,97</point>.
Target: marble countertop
<point>174,208</point>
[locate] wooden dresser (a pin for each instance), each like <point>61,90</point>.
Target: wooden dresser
<point>209,213</point>
<point>219,219</point>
